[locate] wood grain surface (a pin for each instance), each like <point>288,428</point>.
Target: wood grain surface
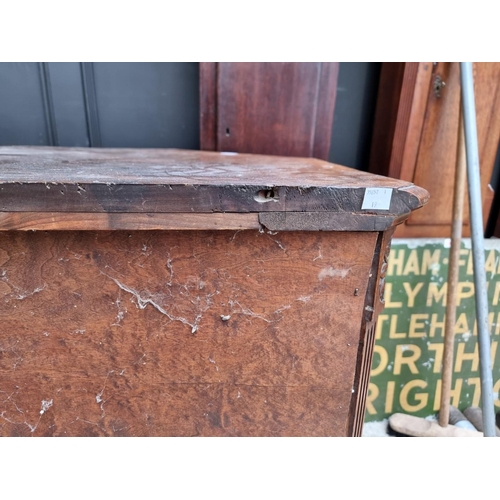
<point>45,164</point>
<point>119,329</point>
<point>78,221</point>
<point>205,333</point>
<point>273,221</point>
<point>281,108</point>
<point>415,136</point>
<point>208,106</point>
<point>45,179</point>
<point>374,304</point>
<point>438,143</point>
<point>395,92</point>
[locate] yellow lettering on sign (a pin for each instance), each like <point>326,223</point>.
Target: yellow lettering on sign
<point>438,359</point>
<point>470,261</point>
<point>396,262</point>
<point>473,356</point>
<point>497,325</point>
<point>464,291</point>
<point>389,396</point>
<point>454,394</point>
<point>496,293</point>
<point>384,359</point>
<point>421,398</point>
<point>431,261</point>
<point>436,294</point>
<point>393,334</point>
<point>412,293</point>
<point>412,264</point>
<point>417,321</point>
<point>401,359</point>
<point>382,318</point>
<point>435,324</point>
<point>461,325</point>
<point>387,296</point>
<point>373,393</point>
<point>490,264</point>
<point>466,356</point>
<point>476,382</point>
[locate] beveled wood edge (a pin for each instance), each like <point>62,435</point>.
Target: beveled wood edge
<point>418,196</point>
<point>208,199</point>
<point>272,221</point>
<point>374,304</point>
<point>327,221</point>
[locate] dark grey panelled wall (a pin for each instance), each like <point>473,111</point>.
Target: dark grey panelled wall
<point>354,114</point>
<point>100,104</point>
<point>149,105</point>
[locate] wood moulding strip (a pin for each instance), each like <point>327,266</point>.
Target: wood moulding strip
<point>272,221</point>
<point>78,221</point>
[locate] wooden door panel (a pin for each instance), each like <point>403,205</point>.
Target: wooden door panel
<point>422,141</point>
<point>268,108</point>
<point>437,150</point>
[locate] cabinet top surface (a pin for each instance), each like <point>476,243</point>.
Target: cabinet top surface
<point>33,164</point>
<point>168,181</point>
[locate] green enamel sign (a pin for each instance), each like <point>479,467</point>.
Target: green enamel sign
<point>407,360</point>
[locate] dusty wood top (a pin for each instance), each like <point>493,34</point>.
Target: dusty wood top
<point>32,164</point>
<point>85,180</point>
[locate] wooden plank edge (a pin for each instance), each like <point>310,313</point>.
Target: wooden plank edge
<point>403,117</point>
<point>329,221</point>
<point>78,221</point>
<point>416,120</point>
<point>273,221</point>
<point>418,197</point>
<point>374,304</point>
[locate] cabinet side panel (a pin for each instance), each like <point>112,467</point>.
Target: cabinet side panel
<point>179,333</point>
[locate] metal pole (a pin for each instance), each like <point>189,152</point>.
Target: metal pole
<point>477,238</point>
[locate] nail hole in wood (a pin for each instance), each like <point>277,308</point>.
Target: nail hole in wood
<point>266,195</point>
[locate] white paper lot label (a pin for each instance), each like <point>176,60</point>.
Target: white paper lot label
<point>377,199</point>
